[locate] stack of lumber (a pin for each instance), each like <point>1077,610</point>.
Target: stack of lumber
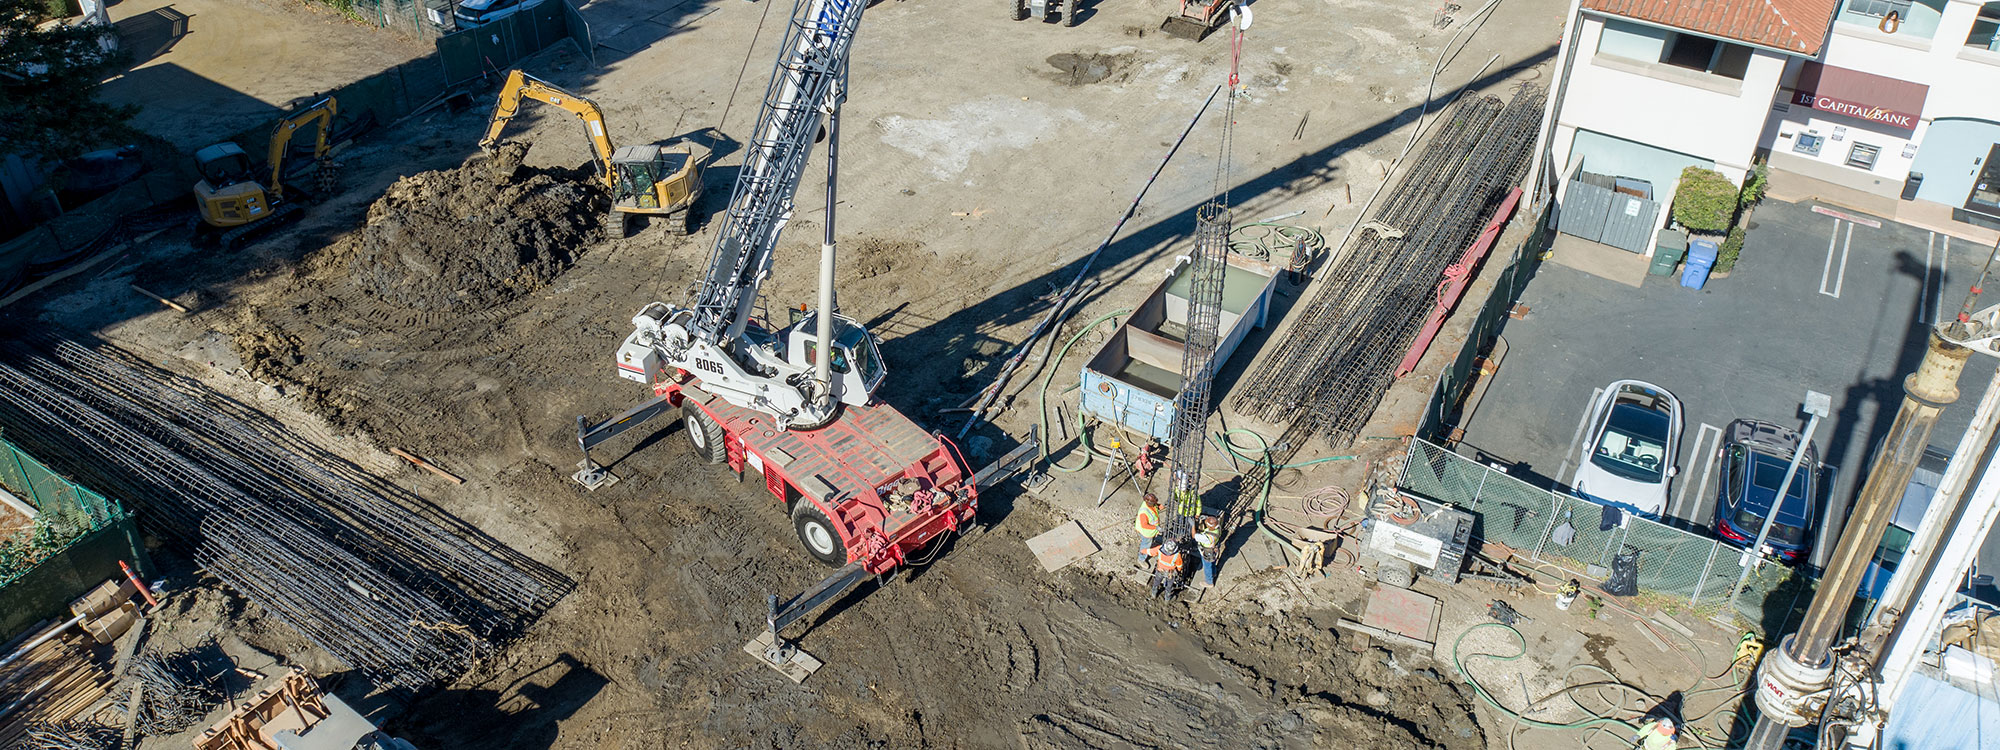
<point>53,682</point>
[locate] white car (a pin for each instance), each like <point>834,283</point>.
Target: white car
<point>1628,452</point>
<point>472,13</point>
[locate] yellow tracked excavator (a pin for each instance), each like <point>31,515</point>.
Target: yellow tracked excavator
<point>654,179</point>
<point>235,204</point>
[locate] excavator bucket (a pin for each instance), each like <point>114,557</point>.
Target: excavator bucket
<point>1187,27</point>
<point>506,157</point>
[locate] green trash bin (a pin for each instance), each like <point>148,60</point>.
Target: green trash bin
<point>1672,247</point>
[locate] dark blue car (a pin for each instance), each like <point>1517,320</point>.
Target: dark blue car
<point>1755,456</point>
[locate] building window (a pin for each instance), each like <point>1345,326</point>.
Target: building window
<point>1880,8</point>
<point>1862,156</point>
<point>1917,19</point>
<point>1706,55</point>
<point>1986,28</point>
<point>1632,41</point>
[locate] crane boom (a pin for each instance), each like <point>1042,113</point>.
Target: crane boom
<point>803,92</point>
<point>802,373</point>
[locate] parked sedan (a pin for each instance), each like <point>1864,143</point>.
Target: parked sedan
<point>1755,456</point>
<point>1634,434</point>
<point>471,13</point>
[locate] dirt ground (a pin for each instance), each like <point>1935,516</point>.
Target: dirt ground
<point>982,159</point>
<point>204,70</point>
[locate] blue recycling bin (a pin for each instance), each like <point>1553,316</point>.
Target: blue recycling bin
<point>1700,259</point>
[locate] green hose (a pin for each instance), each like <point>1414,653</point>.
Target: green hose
<point>1224,444</point>
<point>1044,398</point>
<point>1264,491</point>
<point>1480,690</point>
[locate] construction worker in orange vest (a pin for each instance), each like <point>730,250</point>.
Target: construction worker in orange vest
<point>1148,526</point>
<point>1167,569</point>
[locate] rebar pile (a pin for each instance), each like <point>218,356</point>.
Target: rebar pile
<point>68,735</point>
<point>372,574</point>
<point>175,696</point>
<point>1333,367</point>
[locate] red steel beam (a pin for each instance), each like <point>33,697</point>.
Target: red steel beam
<point>1456,277</point>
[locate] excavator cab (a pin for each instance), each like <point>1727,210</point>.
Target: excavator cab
<point>228,193</point>
<point>657,180</point>
<point>234,193</point>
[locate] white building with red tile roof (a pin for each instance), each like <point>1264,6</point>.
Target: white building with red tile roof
<point>1886,106</point>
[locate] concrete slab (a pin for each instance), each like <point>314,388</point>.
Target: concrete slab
<point>1603,261</point>
<point>1062,545</point>
<point>1922,214</point>
<point>1403,612</point>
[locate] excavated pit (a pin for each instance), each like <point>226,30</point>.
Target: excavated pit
<point>475,236</point>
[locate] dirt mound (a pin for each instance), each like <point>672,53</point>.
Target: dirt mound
<point>469,237</point>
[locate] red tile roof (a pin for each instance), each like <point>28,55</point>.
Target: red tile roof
<point>1798,26</point>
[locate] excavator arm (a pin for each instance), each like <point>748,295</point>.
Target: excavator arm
<point>520,86</point>
<point>322,112</point>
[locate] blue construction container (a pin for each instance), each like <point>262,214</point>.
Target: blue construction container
<point>1135,378</point>
<point>1700,259</point>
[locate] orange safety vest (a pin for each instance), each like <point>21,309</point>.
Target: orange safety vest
<point>1148,522</point>
<point>1169,563</point>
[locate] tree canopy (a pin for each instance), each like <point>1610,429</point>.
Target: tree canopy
<point>49,75</point>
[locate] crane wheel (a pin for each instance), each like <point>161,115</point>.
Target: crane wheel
<point>1069,12</point>
<point>1020,10</point>
<point>704,434</point>
<point>817,534</point>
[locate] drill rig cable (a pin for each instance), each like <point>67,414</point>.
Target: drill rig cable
<point>992,390</point>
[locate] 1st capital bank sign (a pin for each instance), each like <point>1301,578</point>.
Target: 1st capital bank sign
<point>1867,112</point>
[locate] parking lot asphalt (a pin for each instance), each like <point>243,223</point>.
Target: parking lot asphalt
<point>1822,299</point>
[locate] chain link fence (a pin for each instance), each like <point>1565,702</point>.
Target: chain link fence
<point>46,513</point>
<point>57,539</point>
<point>1679,570</point>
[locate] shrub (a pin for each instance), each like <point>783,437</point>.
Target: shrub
<point>1705,203</point>
<point>1725,258</point>
<point>1754,185</point>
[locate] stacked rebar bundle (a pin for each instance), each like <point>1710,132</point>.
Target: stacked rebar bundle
<point>370,573</point>
<point>1330,372</point>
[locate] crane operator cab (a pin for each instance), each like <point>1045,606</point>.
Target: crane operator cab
<point>856,365</point>
<point>655,179</point>
<point>228,193</point>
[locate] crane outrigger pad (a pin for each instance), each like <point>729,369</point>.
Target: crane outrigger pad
<point>780,655</point>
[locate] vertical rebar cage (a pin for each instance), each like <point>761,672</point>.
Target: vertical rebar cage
<point>1204,330</point>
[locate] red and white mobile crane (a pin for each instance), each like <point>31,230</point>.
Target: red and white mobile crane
<point>865,487</point>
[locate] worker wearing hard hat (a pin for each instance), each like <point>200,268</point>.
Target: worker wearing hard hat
<point>1658,734</point>
<point>1148,526</point>
<point>1167,569</point>
<point>1208,544</point>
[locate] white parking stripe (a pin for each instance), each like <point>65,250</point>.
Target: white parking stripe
<point>1681,509</point>
<point>1826,269</point>
<point>1845,244</point>
<point>1576,439</point>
